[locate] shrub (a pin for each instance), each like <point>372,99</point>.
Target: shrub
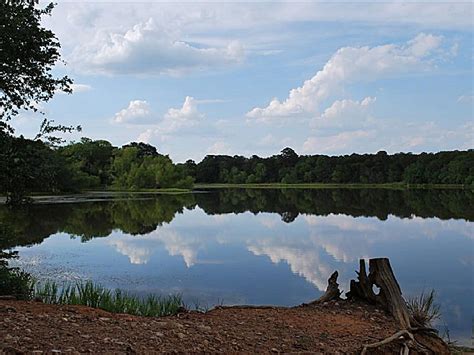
<point>423,309</point>
<point>14,282</point>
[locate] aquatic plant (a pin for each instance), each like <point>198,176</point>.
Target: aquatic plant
<point>115,301</point>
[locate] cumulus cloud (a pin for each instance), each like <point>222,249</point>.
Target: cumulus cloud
<point>174,120</point>
<point>345,114</point>
<point>185,116</point>
<point>348,65</point>
<point>137,111</point>
<point>147,49</point>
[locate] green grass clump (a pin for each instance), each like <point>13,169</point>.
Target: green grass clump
<point>423,309</point>
<point>114,301</point>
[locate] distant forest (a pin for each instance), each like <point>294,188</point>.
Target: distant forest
<point>27,165</point>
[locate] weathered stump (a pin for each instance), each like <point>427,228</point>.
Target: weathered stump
<point>390,295</point>
<point>332,291</point>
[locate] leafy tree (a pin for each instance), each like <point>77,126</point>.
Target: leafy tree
<point>27,56</point>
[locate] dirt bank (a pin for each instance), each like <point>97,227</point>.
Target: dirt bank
<point>330,328</point>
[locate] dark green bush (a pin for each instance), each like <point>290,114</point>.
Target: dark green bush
<point>14,282</point>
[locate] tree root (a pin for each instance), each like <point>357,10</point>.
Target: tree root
<point>407,338</point>
<point>388,340</point>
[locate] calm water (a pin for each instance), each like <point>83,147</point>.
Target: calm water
<point>256,246</point>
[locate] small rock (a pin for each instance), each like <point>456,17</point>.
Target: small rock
<point>159,334</point>
<point>181,335</point>
<point>275,350</point>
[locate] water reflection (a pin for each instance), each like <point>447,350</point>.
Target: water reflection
<point>256,246</point>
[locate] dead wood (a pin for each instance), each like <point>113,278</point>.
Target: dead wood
<point>390,295</point>
<point>395,337</point>
<point>332,291</point>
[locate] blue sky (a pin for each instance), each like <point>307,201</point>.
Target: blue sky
<point>254,77</point>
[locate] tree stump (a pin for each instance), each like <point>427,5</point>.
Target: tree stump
<point>332,291</point>
<point>390,295</point>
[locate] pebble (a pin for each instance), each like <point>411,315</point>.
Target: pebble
<point>181,336</point>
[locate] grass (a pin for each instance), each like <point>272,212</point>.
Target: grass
<point>116,301</point>
<point>398,185</point>
<point>423,309</point>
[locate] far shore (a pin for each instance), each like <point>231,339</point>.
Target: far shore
<point>399,185</point>
<point>101,194</point>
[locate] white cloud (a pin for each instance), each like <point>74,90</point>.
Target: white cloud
<point>147,49</point>
<point>76,88</point>
<point>345,114</point>
<point>185,116</point>
<point>174,120</point>
<point>348,65</point>
<point>137,111</point>
<point>392,136</point>
<point>80,88</point>
<point>219,148</point>
<point>337,143</point>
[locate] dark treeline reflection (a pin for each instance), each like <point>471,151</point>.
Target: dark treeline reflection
<point>443,204</point>
<point>32,224</point>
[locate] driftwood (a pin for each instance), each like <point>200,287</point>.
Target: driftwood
<point>332,291</point>
<point>390,295</point>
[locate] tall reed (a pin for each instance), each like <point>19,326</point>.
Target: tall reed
<point>115,301</point>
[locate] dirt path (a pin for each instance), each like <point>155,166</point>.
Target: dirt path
<point>334,327</point>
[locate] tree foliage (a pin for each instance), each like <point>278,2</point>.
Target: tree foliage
<point>453,167</point>
<point>29,165</point>
<point>27,56</point>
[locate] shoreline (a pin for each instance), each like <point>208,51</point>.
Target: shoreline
<point>394,186</point>
<point>334,326</point>
<point>41,197</point>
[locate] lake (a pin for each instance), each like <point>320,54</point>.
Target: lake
<point>249,246</point>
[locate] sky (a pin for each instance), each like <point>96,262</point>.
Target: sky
<point>250,78</point>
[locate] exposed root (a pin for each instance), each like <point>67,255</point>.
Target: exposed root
<point>394,337</point>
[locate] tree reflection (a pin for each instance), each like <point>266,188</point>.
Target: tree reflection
<point>31,224</point>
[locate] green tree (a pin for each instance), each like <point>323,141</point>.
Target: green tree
<point>28,54</point>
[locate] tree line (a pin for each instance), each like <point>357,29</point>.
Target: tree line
<point>32,165</point>
<point>451,167</point>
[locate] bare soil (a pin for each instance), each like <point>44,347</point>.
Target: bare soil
<point>333,327</point>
